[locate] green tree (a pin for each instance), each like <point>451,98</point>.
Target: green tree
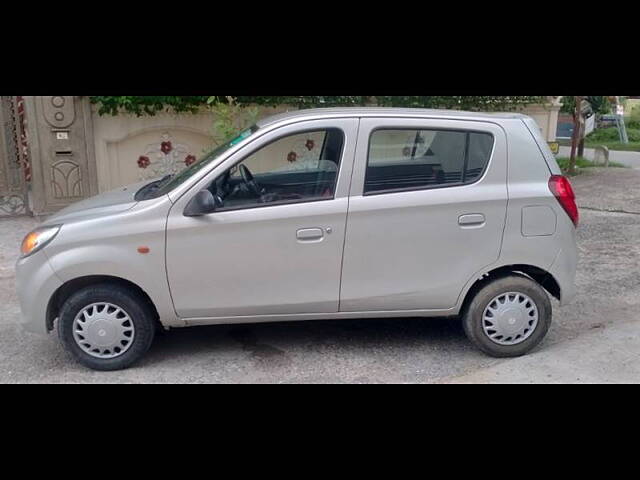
<point>151,105</point>
<point>148,105</point>
<point>600,105</point>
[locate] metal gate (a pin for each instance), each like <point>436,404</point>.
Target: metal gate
<point>14,163</point>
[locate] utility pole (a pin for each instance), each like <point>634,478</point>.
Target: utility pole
<point>575,138</point>
<point>583,131</point>
<point>622,128</point>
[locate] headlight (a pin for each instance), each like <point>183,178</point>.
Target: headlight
<point>37,239</point>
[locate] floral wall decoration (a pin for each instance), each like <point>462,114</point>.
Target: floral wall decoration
<point>164,157</point>
<point>305,152</point>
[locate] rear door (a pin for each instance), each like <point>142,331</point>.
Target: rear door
<point>426,212</point>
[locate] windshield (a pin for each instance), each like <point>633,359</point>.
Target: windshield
<point>168,183</point>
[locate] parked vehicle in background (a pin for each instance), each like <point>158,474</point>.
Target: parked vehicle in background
<point>605,121</point>
<point>318,214</point>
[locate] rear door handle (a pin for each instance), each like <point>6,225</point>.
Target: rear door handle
<point>310,234</point>
<point>471,220</point>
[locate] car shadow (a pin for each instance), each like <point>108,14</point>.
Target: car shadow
<point>270,341</point>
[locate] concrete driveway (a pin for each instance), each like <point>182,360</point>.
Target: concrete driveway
<point>596,339</point>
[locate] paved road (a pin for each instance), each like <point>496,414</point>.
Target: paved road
<point>594,339</point>
<point>631,159</point>
<point>603,355</point>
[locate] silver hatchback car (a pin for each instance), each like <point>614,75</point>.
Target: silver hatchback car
<point>318,214</point>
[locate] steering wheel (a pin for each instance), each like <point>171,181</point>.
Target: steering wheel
<point>250,181</point>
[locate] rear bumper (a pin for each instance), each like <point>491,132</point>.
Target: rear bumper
<point>564,271</point>
<point>36,282</point>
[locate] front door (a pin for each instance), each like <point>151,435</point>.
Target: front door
<point>427,212</point>
<point>274,246</point>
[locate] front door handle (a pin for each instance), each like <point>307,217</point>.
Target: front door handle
<point>310,235</point>
<point>471,220</point>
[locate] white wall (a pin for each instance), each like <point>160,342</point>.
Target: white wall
<point>122,140</point>
<point>546,116</point>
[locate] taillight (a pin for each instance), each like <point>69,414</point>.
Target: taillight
<point>561,189</point>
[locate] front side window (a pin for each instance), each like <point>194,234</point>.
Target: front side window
<point>417,159</point>
<point>297,168</point>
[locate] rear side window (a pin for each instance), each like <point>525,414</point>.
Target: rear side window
<point>402,160</point>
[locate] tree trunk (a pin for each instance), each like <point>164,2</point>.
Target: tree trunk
<point>577,114</point>
<point>581,144</point>
<point>369,102</point>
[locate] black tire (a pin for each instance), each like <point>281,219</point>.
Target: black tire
<point>137,308</point>
<point>472,316</point>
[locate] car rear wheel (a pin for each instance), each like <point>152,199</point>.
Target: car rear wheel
<point>106,327</point>
<point>508,317</point>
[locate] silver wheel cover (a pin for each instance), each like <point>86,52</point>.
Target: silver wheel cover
<point>103,330</point>
<point>510,318</point>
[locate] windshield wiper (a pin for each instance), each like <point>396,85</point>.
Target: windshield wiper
<point>149,188</point>
<point>163,179</point>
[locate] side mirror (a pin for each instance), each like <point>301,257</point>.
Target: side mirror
<point>202,204</point>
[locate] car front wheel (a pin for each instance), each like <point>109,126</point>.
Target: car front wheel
<point>106,327</point>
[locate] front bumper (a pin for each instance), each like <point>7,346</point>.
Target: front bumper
<point>36,282</point>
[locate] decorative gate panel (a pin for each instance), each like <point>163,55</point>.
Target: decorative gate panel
<point>62,151</point>
<point>13,189</point>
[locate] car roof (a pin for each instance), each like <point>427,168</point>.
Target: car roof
<point>319,113</point>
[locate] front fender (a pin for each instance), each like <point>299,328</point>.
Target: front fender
<point>110,246</point>
<point>146,271</point>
